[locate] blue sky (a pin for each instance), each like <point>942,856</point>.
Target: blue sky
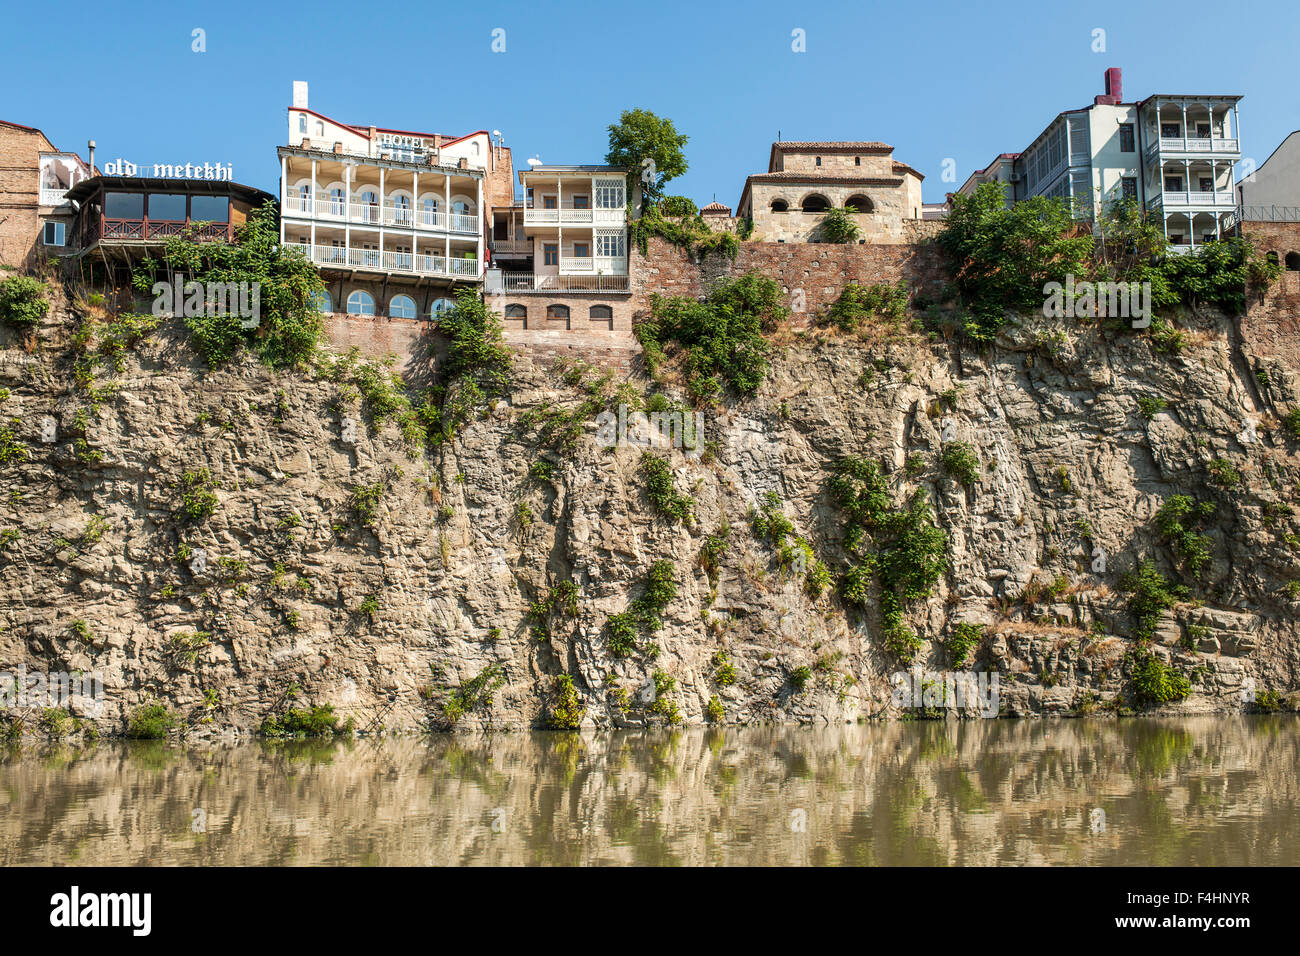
<point>937,79</point>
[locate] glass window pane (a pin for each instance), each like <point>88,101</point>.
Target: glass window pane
<point>210,209</point>
<point>167,206</point>
<point>124,205</point>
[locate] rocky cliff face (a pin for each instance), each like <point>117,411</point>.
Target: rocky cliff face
<point>342,566</point>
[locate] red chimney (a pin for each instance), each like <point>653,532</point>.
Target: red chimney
<point>1114,94</point>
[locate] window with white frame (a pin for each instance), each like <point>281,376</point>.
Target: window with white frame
<point>609,194</point>
<point>609,245</point>
<point>54,234</point>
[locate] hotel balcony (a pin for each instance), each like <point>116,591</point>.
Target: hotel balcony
<point>1223,199</point>
<point>567,213</point>
<point>1195,146</point>
<point>376,215</point>
<point>511,247</point>
<point>419,264</point>
<point>530,282</point>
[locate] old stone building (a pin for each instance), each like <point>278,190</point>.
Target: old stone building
<point>805,180</point>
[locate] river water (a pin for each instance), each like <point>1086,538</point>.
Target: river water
<point>1198,791</point>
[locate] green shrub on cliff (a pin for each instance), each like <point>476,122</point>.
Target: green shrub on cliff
<point>838,226</point>
<point>861,305</point>
<point>721,338</point>
<point>567,710</point>
<point>1155,682</point>
<point>150,722</point>
<point>288,326</point>
<point>22,301</point>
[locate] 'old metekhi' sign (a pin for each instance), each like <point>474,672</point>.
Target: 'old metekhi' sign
<point>220,171</point>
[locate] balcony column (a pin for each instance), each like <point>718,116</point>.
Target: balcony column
<point>1185,136</point>
<point>347,211</point>
<point>559,224</point>
<point>313,209</point>
<point>446,221</point>
<point>284,185</point>
<point>383,198</point>
<point>482,220</point>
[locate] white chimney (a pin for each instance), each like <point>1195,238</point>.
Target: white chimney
<point>300,94</point>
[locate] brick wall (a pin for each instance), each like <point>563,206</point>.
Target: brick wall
<point>821,271</point>
<point>20,220</point>
<point>1271,328</point>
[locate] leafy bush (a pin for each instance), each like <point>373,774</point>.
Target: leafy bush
<point>960,461</point>
<point>722,337</point>
<point>643,615</point>
<point>289,326</point>
<point>1223,473</point>
<point>476,350</point>
<point>1154,682</point>
<point>860,305</point>
<point>1291,422</point>
<point>678,207</point>
<point>663,495</point>
<point>965,637</point>
<point>568,709</point>
<point>1177,520</point>
<point>799,678</point>
<point>477,693</point>
<point>198,495</point>
<point>1151,596</point>
<point>22,301</point>
<point>663,705</point>
<point>150,722</point>
<point>838,226</point>
<point>318,721</point>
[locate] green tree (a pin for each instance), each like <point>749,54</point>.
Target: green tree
<point>645,143</point>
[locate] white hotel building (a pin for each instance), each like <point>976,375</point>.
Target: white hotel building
<point>1174,154</point>
<point>393,218</point>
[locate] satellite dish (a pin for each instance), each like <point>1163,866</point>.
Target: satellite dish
<point>534,162</point>
<point>496,133</point>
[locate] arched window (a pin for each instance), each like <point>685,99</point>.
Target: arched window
<point>369,206</point>
<point>557,314</point>
<point>302,123</point>
<point>361,303</point>
<point>780,205</point>
<point>402,307</point>
<point>1293,261</point>
<point>320,128</point>
<point>336,201</point>
<point>815,203</point>
<point>859,204</point>
<point>601,315</point>
<point>323,302</point>
<point>430,208</point>
<point>440,306</point>
<point>517,314</point>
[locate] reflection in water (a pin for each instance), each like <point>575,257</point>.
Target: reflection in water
<point>1202,791</point>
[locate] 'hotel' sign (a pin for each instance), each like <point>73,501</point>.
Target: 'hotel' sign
<point>220,171</point>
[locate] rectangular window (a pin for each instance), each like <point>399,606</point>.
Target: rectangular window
<point>550,254</point>
<point>1127,144</point>
<point>582,202</point>
<point>609,194</point>
<point>1174,184</point>
<point>54,234</point>
<point>124,205</point>
<point>210,209</point>
<point>582,250</point>
<point>1203,130</point>
<point>548,202</point>
<point>1129,187</point>
<point>1206,184</point>
<point>529,194</point>
<point>1170,130</point>
<point>609,245</point>
<point>168,206</point>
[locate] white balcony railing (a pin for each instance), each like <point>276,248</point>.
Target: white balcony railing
<point>511,246</point>
<point>416,264</point>
<point>1207,199</point>
<point>53,197</point>
<point>389,214</point>
<point>1198,144</point>
<point>526,282</point>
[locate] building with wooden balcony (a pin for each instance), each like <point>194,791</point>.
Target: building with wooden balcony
<point>1174,155</point>
<point>395,219</point>
<point>122,219</point>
